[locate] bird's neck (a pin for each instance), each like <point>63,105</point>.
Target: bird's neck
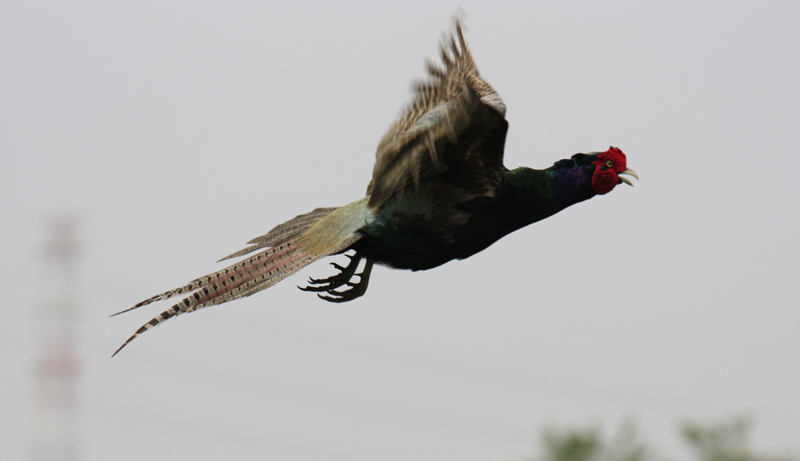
<point>536,194</point>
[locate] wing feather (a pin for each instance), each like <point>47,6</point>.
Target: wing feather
<point>452,112</point>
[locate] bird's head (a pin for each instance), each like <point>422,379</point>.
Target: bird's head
<point>607,168</point>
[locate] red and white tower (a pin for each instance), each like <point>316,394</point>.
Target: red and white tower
<point>56,368</point>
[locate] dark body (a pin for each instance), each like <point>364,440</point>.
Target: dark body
<point>429,226</point>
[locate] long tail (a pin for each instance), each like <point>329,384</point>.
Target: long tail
<point>293,245</point>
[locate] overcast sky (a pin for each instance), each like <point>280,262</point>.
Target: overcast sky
<point>177,131</point>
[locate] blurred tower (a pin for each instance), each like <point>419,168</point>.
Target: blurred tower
<point>56,369</point>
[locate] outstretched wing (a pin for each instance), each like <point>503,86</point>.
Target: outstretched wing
<point>456,123</point>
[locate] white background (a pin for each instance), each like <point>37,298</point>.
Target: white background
<point>177,131</point>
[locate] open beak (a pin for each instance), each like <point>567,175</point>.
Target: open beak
<point>629,172</point>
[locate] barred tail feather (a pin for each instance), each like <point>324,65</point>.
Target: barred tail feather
<point>245,278</point>
<point>278,234</point>
<point>283,232</point>
<point>290,251</point>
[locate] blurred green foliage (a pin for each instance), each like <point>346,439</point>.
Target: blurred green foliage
<point>725,441</point>
<point>720,441</point>
<point>589,445</point>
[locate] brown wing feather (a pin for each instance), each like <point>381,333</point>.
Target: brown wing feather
<point>455,104</point>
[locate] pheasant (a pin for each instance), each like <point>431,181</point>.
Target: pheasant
<point>439,192</point>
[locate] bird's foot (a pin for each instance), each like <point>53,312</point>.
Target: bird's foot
<point>337,280</point>
<point>344,277</point>
<point>356,290</point>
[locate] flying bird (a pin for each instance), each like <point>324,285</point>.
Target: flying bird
<point>439,191</point>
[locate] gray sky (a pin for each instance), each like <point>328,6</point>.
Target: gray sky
<point>177,131</point>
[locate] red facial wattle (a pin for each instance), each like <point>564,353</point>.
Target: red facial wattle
<point>609,165</point>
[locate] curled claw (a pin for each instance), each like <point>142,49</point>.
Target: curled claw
<point>337,280</point>
<point>356,290</point>
<point>344,277</point>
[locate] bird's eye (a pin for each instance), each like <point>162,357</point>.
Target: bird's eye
<point>609,163</point>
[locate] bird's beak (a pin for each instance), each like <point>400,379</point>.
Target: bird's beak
<point>626,180</point>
